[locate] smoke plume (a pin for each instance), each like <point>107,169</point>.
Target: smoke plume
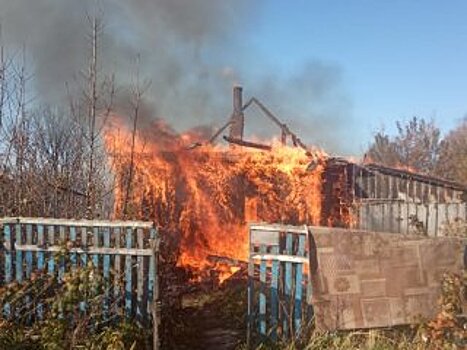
<point>192,51</point>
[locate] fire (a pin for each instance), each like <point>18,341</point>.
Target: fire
<point>202,197</point>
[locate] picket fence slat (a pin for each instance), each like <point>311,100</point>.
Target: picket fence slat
<point>40,263</point>
<point>151,273</point>
<point>298,285</point>
<point>19,255</point>
<point>50,241</point>
<point>274,294</point>
<point>280,253</point>
<point>73,255</point>
<point>94,251</point>
<point>140,309</point>
<point>251,293</point>
<point>84,261</point>
<point>31,246</point>
<point>106,273</point>
<point>262,293</point>
<point>28,254</point>
<point>117,271</point>
<point>8,265</point>
<point>288,286</point>
<point>128,273</point>
<point>62,236</point>
<point>95,242</point>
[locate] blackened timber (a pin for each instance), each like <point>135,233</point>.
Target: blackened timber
<point>247,143</point>
<point>227,261</point>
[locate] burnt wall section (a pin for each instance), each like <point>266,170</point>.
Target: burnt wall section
<point>377,198</point>
<point>338,194</point>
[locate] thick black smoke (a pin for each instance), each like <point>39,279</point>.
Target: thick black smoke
<point>192,51</point>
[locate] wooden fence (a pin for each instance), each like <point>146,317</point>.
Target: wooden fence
<point>278,295</point>
<point>343,278</point>
<point>124,253</point>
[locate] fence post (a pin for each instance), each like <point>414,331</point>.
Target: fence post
<point>155,297</point>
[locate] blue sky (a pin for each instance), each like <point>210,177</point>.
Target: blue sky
<point>336,71</point>
<point>398,58</point>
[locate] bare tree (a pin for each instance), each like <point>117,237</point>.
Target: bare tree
<point>137,92</point>
<point>416,146</point>
<point>53,161</point>
<point>452,162</point>
<point>97,105</point>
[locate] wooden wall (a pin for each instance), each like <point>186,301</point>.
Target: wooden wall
<point>391,203</point>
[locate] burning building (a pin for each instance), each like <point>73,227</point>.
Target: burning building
<point>377,198</point>
<point>202,195</point>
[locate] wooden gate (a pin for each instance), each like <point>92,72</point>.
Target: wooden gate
<point>278,293</point>
<point>124,252</point>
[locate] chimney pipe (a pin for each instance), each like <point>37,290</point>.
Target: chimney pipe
<point>238,118</point>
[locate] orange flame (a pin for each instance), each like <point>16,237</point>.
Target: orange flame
<point>203,197</point>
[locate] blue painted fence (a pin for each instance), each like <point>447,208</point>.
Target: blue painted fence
<point>120,250</point>
<point>278,293</point>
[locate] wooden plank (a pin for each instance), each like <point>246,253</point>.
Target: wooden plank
<point>399,207</point>
<point>51,258</point>
<point>385,207</point>
<point>19,259</point>
<point>92,251</point>
<point>140,304</point>
<point>396,218</point>
<point>106,273</point>
<point>156,296</point>
<point>378,190</point>
<point>412,217</point>
<point>76,223</point>
<point>463,211</point>
<point>117,271</point>
<point>377,217</point>
<point>266,237</point>
<point>391,220</point>
<point>29,262</point>
<point>274,293</point>
<point>262,293</point>
<point>298,286</point>
<point>442,218</point>
<point>73,255</point>
<point>8,264</point>
<point>84,260</point>
<point>437,211</point>
<point>280,257</point>
<point>151,273</point>
<point>452,213</point>
<point>370,194</point>
<point>95,242</point>
<point>250,291</point>
<point>40,243</point>
<point>40,264</point>
<point>19,255</point>
<point>28,254</point>
<point>422,216</point>
<point>287,287</point>
<point>84,245</point>
<point>407,207</point>
<point>276,228</point>
<point>431,226</point>
<point>312,267</point>
<point>363,214</point>
<point>61,269</point>
<point>128,272</point>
